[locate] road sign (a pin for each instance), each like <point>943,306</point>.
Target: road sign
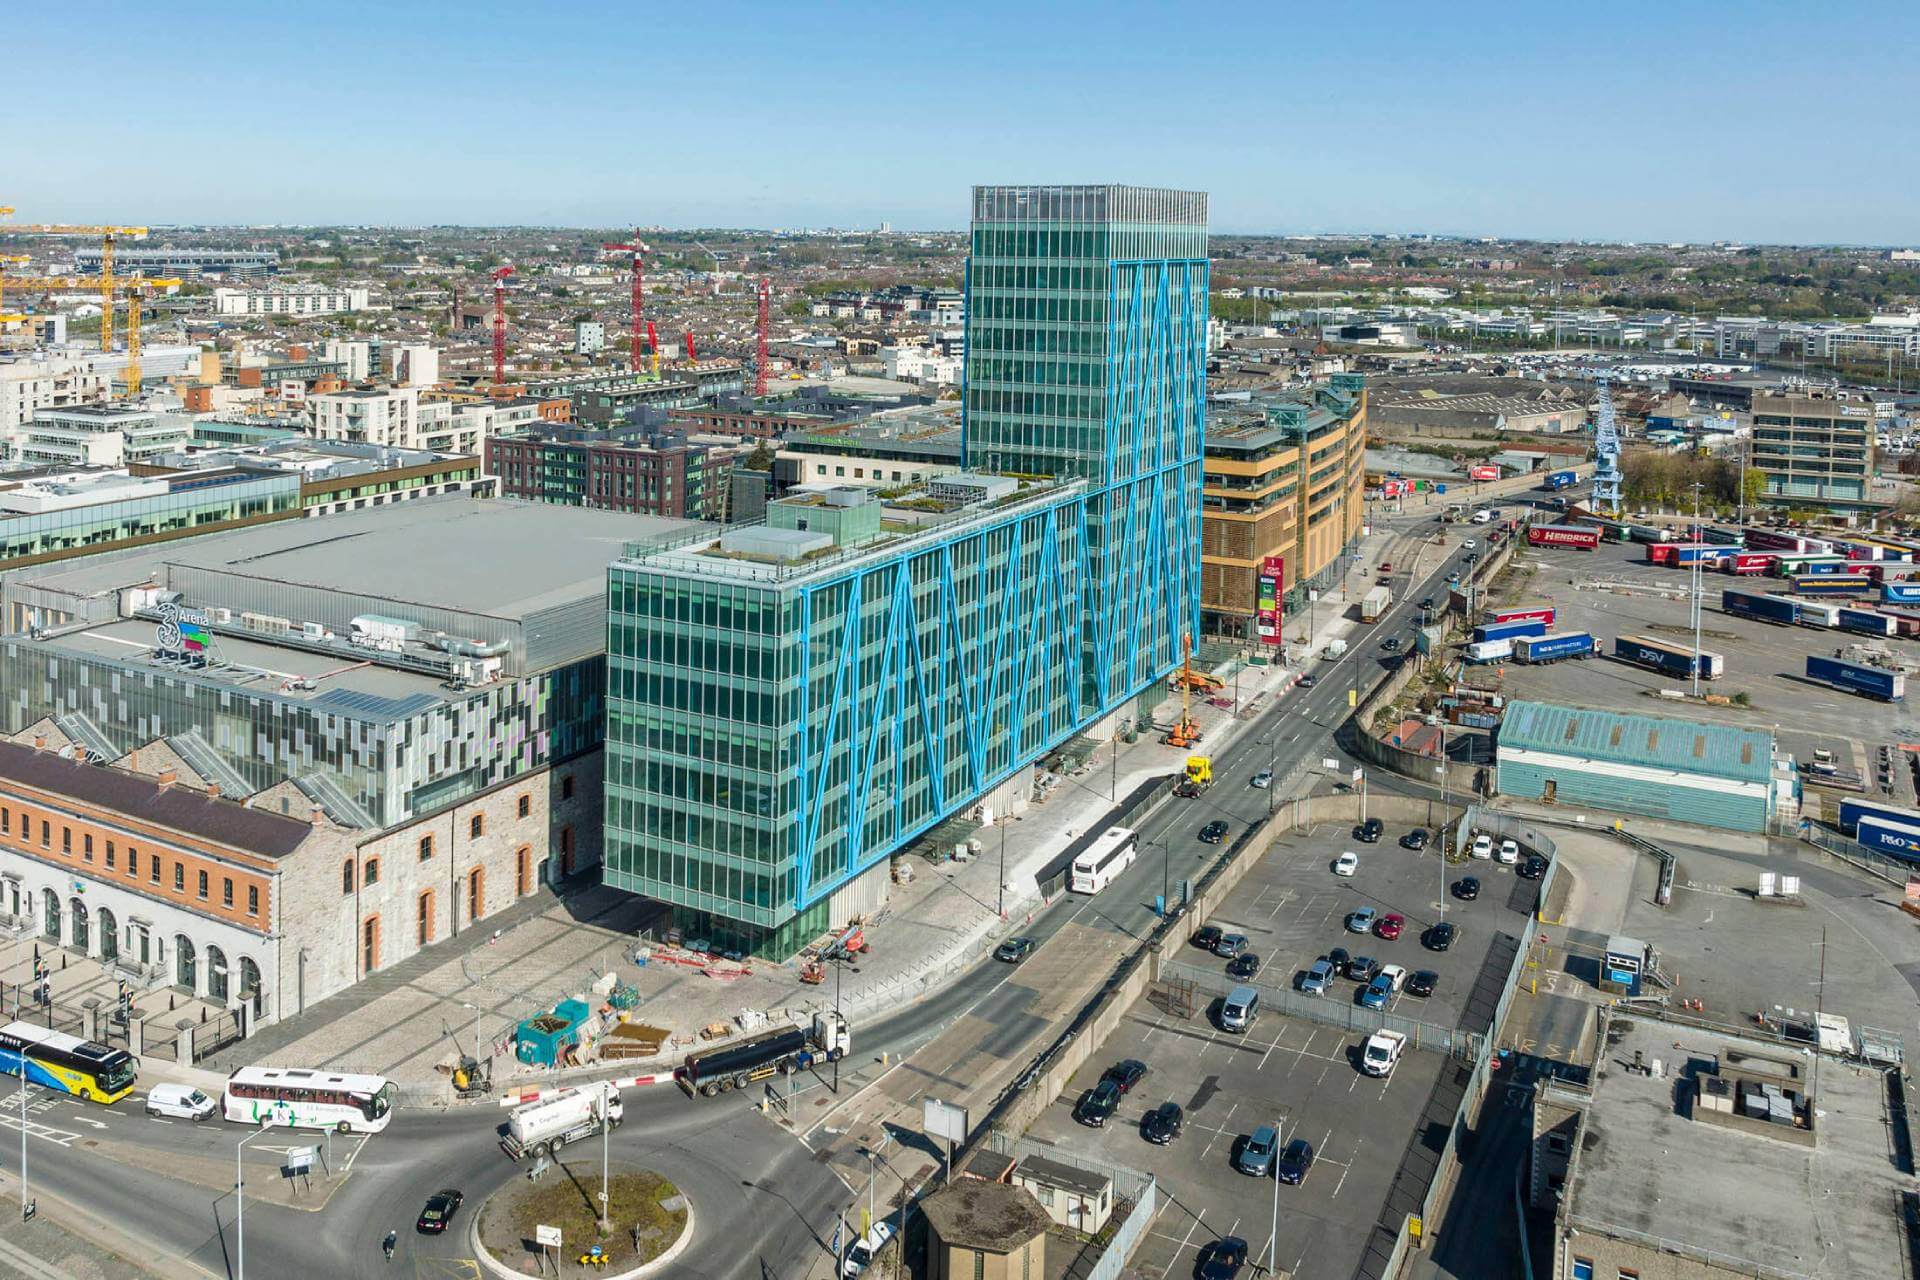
<point>299,1159</point>
<point>944,1120</point>
<point>546,1236</point>
<point>1328,762</point>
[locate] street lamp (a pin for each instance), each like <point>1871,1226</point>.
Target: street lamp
<point>26,1205</point>
<point>606,1140</point>
<point>240,1198</point>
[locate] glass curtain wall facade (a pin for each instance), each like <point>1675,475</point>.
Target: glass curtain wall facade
<point>768,742</point>
<point>105,526</point>
<point>1086,357</point>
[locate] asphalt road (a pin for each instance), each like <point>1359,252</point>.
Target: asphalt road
<point>763,1205</point>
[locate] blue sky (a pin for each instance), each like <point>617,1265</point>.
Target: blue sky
<point>1628,120</point>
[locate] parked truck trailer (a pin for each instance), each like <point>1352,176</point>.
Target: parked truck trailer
<point>1538,650</point>
<point>1857,677</point>
<point>1667,658</point>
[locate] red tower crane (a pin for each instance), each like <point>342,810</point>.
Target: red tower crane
<point>639,249</point>
<point>500,275</point>
<point>760,338</point>
<point>691,357</point>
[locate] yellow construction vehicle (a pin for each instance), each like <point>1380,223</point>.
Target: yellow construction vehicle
<point>1198,778</point>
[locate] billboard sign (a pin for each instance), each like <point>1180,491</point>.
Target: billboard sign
<point>1271,588</point>
<point>1484,473</point>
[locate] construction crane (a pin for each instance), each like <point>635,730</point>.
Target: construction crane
<point>8,260</point>
<point>653,343</point>
<point>691,357</point>
<point>639,249</point>
<point>134,287</point>
<point>108,236</point>
<point>1606,451</point>
<point>760,338</point>
<point>500,275</point>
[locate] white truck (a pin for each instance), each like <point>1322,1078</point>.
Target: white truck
<point>546,1126</point>
<point>1490,651</point>
<point>1334,648</point>
<point>1374,604</point>
<point>1382,1050</point>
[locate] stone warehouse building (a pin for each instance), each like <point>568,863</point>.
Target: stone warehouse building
<point>422,683</point>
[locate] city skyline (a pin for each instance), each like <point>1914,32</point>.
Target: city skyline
<point>1462,122</point>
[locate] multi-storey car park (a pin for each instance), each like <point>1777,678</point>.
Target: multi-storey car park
<point>788,706</point>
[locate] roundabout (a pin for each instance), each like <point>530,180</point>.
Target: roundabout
<point>649,1222</point>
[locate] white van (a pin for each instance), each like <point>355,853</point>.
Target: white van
<point>182,1101</point>
<point>1483,516</point>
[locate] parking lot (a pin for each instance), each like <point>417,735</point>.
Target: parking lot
<point>1299,1073</point>
<point>1613,591</point>
<point>1296,1075</point>
<point>1293,909</point>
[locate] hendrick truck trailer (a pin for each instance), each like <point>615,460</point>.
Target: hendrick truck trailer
<point>781,1052</point>
<point>1581,536</point>
<point>1670,659</point>
<point>1537,650</point>
<point>1520,612</point>
<point>1857,677</point>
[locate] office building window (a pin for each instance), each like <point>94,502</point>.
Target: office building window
<point>110,865</point>
<point>226,891</point>
<point>203,886</point>
<point>372,876</point>
<point>86,847</point>
<point>179,877</point>
<point>426,847</point>
<point>1583,1269</point>
<point>253,899</point>
<point>477,825</point>
<point>526,805</point>
<point>346,876</point>
<point>154,874</point>
<point>566,786</point>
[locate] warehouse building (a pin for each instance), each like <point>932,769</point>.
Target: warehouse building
<point>1708,774</point>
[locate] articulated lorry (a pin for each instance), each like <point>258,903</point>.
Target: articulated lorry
<point>1374,604</point>
<point>1538,650</point>
<point>1857,677</point>
<point>772,1053</point>
<point>546,1126</point>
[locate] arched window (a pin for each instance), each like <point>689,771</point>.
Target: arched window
<point>250,986</point>
<point>346,876</point>
<point>185,966</point>
<point>50,914</point>
<point>109,934</point>
<point>372,876</point>
<point>79,924</point>
<point>216,975</point>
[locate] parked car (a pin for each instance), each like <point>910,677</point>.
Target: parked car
<point>1162,1124</point>
<point>1415,839</point>
<point>441,1206</point>
<point>1441,936</point>
<point>1222,1259</point>
<point>1256,1155</point>
<point>1422,982</point>
<point>1205,936</point>
<point>1483,846</point>
<point>861,1253</point>
<point>1509,853</point>
<point>1381,1051</point>
<point>1314,981</point>
<point>1390,926</point>
<point>1362,968</point>
<point>1369,831</point>
<point>1099,1104</point>
<point>181,1101</point>
<point>1339,959</point>
<point>1263,779</point>
<point>1230,945</point>
<point>1295,1160</point>
<point>1014,950</point>
<point>1126,1073</point>
<point>1361,921</point>
<point>1244,965</point>
<point>1466,888</point>
<point>1378,993</point>
<point>1533,868</point>
<point>1214,832</point>
<point>1346,864</point>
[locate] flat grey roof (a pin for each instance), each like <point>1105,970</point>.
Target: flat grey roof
<point>1828,1211</point>
<point>492,556</point>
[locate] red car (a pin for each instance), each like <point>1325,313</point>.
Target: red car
<point>1390,926</point>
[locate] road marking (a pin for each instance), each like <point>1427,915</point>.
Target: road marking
<point>1231,1108</point>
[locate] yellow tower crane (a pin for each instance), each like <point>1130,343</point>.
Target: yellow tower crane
<point>108,236</point>
<point>8,260</point>
<point>134,287</point>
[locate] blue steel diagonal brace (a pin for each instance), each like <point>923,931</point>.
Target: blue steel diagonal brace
<point>933,721</point>
<point>864,749</point>
<point>822,743</point>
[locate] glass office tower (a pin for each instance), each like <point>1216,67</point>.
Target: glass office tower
<point>785,713</point>
<point>1086,357</point>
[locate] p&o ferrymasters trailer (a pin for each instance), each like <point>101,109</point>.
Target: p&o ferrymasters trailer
<point>1857,677</point>
<point>1755,604</point>
<point>1536,650</point>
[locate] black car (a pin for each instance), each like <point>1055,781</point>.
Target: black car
<point>1415,839</point>
<point>1294,1162</point>
<point>1440,936</point>
<point>1362,968</point>
<point>1533,868</point>
<point>441,1206</point>
<point>1214,832</point>
<point>1390,645</point>
<point>1339,959</point>
<point>1308,680</point>
<point>1244,965</point>
<point>1126,1074</point>
<point>1426,605</point>
<point>1222,1259</point>
<point>1369,831</point>
<point>1421,982</point>
<point>1162,1124</point>
<point>1205,937</point>
<point>1099,1104</point>
<point>1466,888</point>
<point>1014,950</point>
